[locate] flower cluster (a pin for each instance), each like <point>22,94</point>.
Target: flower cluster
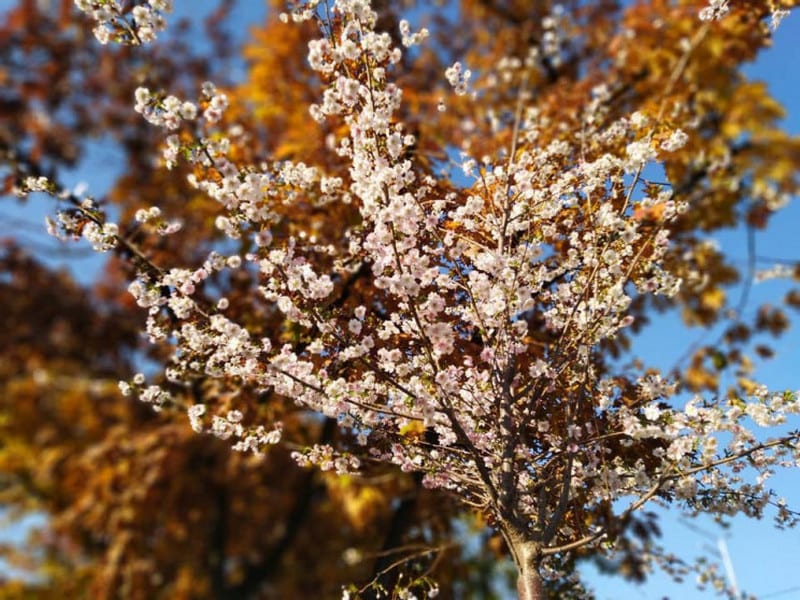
<point>675,141</point>
<point>170,113</point>
<point>776,18</point>
<point>114,24</point>
<point>554,36</point>
<point>35,184</point>
<point>458,77</point>
<point>165,112</point>
<point>83,221</point>
<point>230,426</point>
<point>151,217</point>
<point>412,39</point>
<point>102,237</point>
<point>154,395</point>
<point>326,458</point>
<point>715,10</point>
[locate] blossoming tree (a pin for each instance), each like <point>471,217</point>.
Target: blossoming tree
<point>127,502</point>
<point>463,323</point>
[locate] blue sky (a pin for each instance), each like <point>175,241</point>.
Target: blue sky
<point>765,562</point>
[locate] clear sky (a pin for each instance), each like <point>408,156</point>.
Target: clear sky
<point>765,562</point>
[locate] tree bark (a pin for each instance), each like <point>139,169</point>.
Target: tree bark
<point>529,585</point>
<point>527,555</point>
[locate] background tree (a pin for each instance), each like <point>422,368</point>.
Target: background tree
<point>557,62</point>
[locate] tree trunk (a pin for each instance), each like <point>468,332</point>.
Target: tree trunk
<point>527,555</point>
<point>529,585</point>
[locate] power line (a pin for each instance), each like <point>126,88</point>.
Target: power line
<point>781,592</point>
